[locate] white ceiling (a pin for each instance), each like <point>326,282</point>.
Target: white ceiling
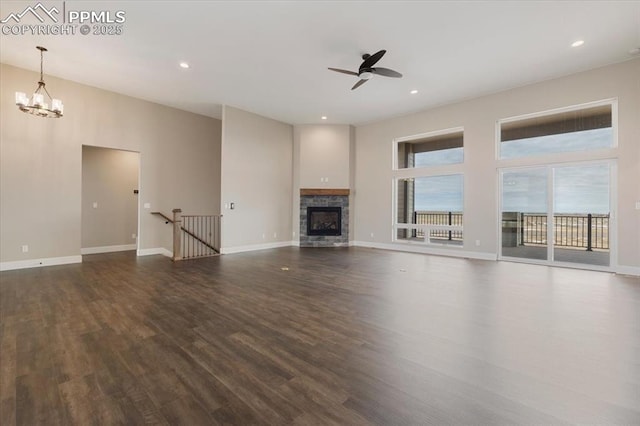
<point>271,58</point>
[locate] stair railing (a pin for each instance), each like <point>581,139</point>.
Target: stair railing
<point>194,236</point>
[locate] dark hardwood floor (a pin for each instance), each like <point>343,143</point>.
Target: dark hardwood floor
<point>344,336</point>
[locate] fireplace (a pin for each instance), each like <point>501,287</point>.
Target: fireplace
<point>324,217</point>
<point>324,220</point>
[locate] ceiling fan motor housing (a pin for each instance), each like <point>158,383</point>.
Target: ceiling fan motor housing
<point>365,74</point>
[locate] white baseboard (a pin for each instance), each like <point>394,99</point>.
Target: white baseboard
<point>254,247</point>
<point>627,270</point>
<point>107,249</point>
<point>426,250</point>
<point>38,263</point>
<point>158,250</point>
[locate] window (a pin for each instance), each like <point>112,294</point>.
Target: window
<point>559,209</point>
<point>569,131</point>
<point>433,150</point>
<point>429,188</point>
<point>434,205</point>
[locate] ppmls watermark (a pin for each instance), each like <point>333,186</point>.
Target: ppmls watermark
<point>62,20</point>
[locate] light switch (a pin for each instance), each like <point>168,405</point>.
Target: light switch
<point>147,205</point>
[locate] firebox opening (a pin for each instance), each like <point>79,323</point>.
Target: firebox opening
<point>324,220</point>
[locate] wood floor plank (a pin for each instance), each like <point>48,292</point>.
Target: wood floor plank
<point>341,336</point>
<point>186,411</point>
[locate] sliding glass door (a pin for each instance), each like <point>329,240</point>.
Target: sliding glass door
<point>525,213</point>
<point>557,213</point>
<point>581,214</point>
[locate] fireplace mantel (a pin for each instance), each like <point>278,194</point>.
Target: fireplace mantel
<point>323,191</point>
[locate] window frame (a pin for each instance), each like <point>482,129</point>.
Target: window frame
<point>399,174</point>
<point>403,139</point>
<point>582,155</point>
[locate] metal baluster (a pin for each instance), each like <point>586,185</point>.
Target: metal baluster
<point>589,248</point>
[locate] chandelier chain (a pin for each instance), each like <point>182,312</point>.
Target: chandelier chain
<point>41,66</point>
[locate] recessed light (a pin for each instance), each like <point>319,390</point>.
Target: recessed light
<point>413,92</point>
<point>577,43</point>
<point>184,65</point>
<point>324,117</point>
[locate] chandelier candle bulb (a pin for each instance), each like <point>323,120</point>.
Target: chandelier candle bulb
<point>38,100</point>
<point>21,99</point>
<point>56,105</point>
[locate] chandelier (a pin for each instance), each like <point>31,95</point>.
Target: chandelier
<point>38,105</point>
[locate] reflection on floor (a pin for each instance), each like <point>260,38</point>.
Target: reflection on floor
<point>599,257</point>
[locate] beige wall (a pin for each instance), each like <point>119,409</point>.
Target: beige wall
<point>324,154</point>
<point>40,164</point>
<point>322,151</point>
<point>257,177</point>
<point>478,117</point>
<point>109,205</point>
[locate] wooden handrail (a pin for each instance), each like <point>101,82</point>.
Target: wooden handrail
<point>168,220</point>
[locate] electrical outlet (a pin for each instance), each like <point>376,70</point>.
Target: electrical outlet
<point>264,236</point>
<point>232,206</point>
<point>25,248</point>
<point>133,236</point>
<point>95,204</point>
<point>477,243</point>
<point>147,205</point>
<point>372,235</point>
<point>275,235</point>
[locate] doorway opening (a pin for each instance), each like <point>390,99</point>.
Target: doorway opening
<point>110,182</point>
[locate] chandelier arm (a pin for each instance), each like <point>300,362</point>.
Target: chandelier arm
<point>47,92</point>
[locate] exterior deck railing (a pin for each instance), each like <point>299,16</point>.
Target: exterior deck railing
<point>438,218</point>
<point>588,231</point>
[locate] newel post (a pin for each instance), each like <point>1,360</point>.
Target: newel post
<point>177,234</point>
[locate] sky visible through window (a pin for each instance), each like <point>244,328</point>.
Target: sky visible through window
<point>580,189</point>
<point>585,140</point>
<point>439,193</point>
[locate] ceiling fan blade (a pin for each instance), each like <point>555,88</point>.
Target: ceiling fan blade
<point>371,60</point>
<point>358,84</point>
<point>386,72</point>
<point>343,71</point>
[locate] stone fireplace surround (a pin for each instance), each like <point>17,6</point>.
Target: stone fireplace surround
<point>324,198</point>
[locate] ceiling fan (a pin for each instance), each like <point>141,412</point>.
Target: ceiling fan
<point>366,70</point>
